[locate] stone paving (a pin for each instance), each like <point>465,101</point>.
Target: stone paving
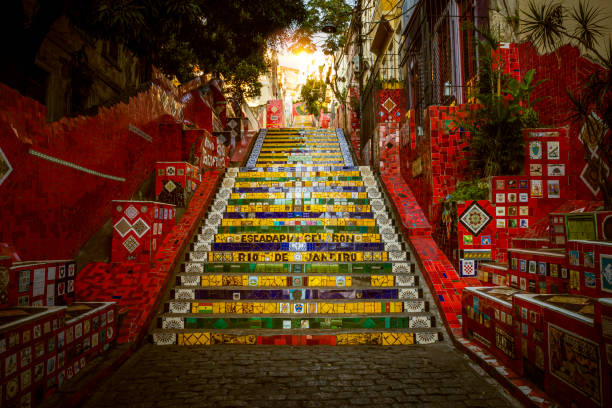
<point>435,375</point>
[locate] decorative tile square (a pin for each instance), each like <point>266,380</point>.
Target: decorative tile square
<point>179,307</point>
<point>131,244</point>
<point>164,339</point>
<point>198,256</point>
<point>191,267</point>
<point>123,226</point>
<point>176,323</point>
<point>414,306</point>
<point>140,227</point>
<point>475,218</point>
<point>131,212</point>
<point>419,322</point>
<point>426,338</point>
<point>411,293</point>
<point>185,294</point>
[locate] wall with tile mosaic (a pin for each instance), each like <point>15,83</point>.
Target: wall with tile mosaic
<point>58,178</point>
<point>565,69</point>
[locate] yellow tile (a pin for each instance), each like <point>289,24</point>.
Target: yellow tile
<point>270,307</point>
<point>258,308</point>
<point>326,308</point>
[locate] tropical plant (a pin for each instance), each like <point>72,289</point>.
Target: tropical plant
<point>503,110</point>
<point>591,102</point>
<point>474,189</point>
<point>313,95</point>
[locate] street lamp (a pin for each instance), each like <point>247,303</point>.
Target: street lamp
<point>328,27</point>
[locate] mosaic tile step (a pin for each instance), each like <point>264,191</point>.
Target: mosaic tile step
<point>304,256</point>
<point>294,293</point>
<point>318,189</point>
<point>281,178</point>
<point>414,321</point>
<point>312,268</point>
<point>297,214</point>
<point>399,337</point>
<point>287,168</point>
<point>370,246</point>
<point>270,222</point>
<point>265,306</point>
<point>297,246</point>
<point>217,309</point>
<point>293,194</point>
<point>263,202</point>
<point>293,238</point>
<point>355,281</point>
<point>205,231</point>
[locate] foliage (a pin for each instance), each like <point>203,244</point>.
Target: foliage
<point>313,95</point>
<point>180,37</point>
<point>503,110</point>
<point>591,101</point>
<point>470,190</point>
<point>321,12</point>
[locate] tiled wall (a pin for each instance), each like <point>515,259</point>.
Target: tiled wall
<point>563,70</point>
<point>64,174</point>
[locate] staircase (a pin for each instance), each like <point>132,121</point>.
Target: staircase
<point>298,248</point>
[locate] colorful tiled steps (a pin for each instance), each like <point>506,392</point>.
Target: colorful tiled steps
<point>320,322</point>
<point>298,247</point>
<point>260,279</point>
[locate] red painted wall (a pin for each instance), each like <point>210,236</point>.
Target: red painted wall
<point>441,151</point>
<point>49,210</point>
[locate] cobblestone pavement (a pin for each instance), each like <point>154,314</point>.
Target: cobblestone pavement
<point>282,376</point>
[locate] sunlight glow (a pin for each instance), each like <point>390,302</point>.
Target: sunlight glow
<point>306,63</point>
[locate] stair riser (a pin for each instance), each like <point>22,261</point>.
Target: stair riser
<point>291,307</point>
<point>408,322</point>
<point>344,339</point>
<point>337,269</point>
<point>304,256</point>
<point>304,294</point>
<point>273,281</point>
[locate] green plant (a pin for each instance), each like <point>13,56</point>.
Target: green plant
<point>313,95</point>
<point>503,110</point>
<point>591,101</point>
<point>474,189</point>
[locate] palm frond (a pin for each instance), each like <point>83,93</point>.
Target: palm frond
<point>543,24</point>
<point>588,28</point>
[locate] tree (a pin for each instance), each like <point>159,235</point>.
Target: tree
<point>313,95</point>
<point>180,37</point>
<point>323,13</point>
<point>592,101</point>
<point>340,94</point>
